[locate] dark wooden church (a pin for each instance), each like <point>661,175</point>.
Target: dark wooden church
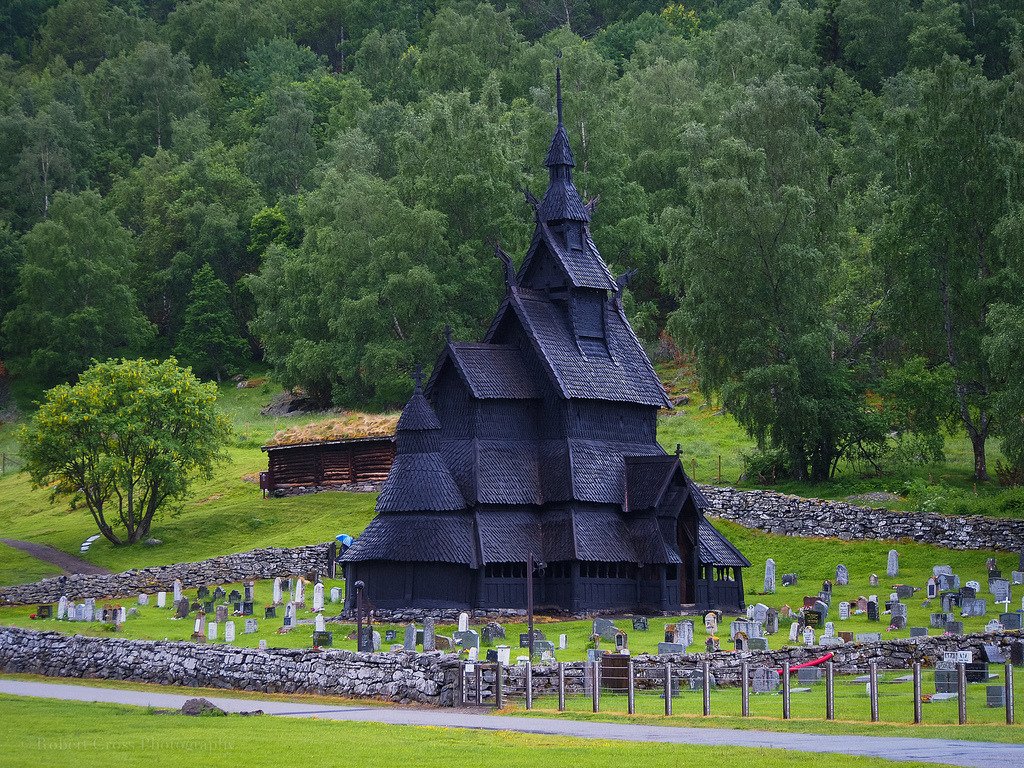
<point>541,440</point>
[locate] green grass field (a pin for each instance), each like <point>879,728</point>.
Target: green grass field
<point>78,735</point>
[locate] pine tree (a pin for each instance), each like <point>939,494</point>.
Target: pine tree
<point>209,340</point>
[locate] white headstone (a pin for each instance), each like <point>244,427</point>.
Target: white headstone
<point>318,624</point>
<point>750,612</point>
<point>892,567</point>
<point>794,632</point>
<point>563,642</point>
<point>198,625</point>
<point>229,632</point>
<point>62,608</point>
<point>504,654</point>
<point>143,598</point>
<point>300,590</point>
<point>177,590</point>
<point>474,653</point>
<point>335,594</point>
<point>711,622</point>
<point>262,645</point>
<point>122,615</point>
<point>463,622</point>
<point>277,590</point>
<point>809,636</point>
<point>318,597</point>
<point>830,629</point>
<point>844,611</point>
<point>161,599</point>
<point>211,630</point>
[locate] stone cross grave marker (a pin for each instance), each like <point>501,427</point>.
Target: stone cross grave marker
<point>769,576</point>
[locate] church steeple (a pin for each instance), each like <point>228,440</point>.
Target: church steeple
<point>561,200</point>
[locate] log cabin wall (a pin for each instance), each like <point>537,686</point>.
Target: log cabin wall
<point>310,467</point>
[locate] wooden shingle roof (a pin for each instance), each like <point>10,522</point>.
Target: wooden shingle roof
<point>446,538</point>
<point>491,371</point>
<point>714,549</point>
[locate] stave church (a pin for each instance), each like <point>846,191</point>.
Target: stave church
<point>540,440</point>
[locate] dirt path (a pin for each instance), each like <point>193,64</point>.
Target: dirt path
<point>64,561</point>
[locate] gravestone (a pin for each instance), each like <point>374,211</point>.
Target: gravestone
<point>234,596</point>
<point>995,696</point>
<point>335,594</point>
<point>229,632</point>
<point>211,631</point>
<point>470,638</point>
<point>747,627</point>
<point>605,629</point>
<point>994,626</point>
<point>973,607</point>
<point>950,600</point>
<point>868,637</point>
<point>409,639</point>
<point>938,570</point>
<point>785,611</point>
<point>247,608</point>
<point>684,633</point>
<point>62,608</point>
<point>904,591</point>
<point>842,576</point>
<point>769,577</point>
<point>794,632</point>
<point>809,602</point>
<point>711,623</point>
<point>712,645</point>
<point>318,597</point>
<point>323,639</point>
<point>177,590</point>
<point>289,615</point>
<point>463,622</point>
<point>300,592</point>
<point>219,593</point>
<point>1017,577</point>
<point>766,680</point>
<point>932,589</point>
<point>991,564</point>
<point>948,582</point>
<point>947,679</point>
<point>221,614</point>
<point>199,628</point>
<point>809,636</point>
<point>872,610</point>
<point>90,609</point>
<point>898,617</point>
<point>249,589</point>
<point>182,609</point>
<point>429,633</point>
<point>262,645</point>
<point>1000,589</point>
<point>277,591</point>
<point>741,641</point>
<point>862,604</point>
<point>161,599</point>
<point>563,642</point>
<point>844,611</point>
<point>813,618</point>
<point>1017,653</point>
<point>830,629</point>
<point>940,620</point>
<point>955,628</point>
<point>806,675</point>
<point>993,654</point>
<point>667,648</point>
<point>822,608</point>
<point>143,598</point>
<point>760,613</point>
<point>270,612</point>
<point>757,644</point>
<point>789,579</point>
<point>208,606</point>
<point>771,624</point>
<point>919,631</point>
<point>1010,620</point>
<point>390,635</point>
<point>892,566</point>
<point>639,623</point>
<point>44,612</point>
<point>319,623</point>
<point>203,592</point>
<point>251,626</point>
<point>873,580</point>
<point>826,591</point>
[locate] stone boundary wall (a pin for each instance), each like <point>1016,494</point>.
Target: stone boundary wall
<point>796,516</point>
<point>256,564</point>
<point>399,677</point>
<point>849,658</point>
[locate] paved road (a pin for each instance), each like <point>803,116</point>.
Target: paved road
<point>941,751</point>
<point>64,561</point>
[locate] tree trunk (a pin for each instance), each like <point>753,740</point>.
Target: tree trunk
<point>980,464</point>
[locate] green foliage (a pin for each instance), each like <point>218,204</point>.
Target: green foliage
<point>125,440</point>
<point>209,340</point>
<point>1005,349</point>
<point>74,299</point>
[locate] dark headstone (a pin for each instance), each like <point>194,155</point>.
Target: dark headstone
<point>203,592</point>
<point>1017,653</point>
<point>182,609</point>
<point>812,618</point>
<point>919,631</point>
<point>995,696</point>
<point>968,593</point>
<point>323,639</point>
<point>872,610</point>
<point>234,596</point>
<point>993,654</point>
<point>640,623</point>
<point>219,594</point>
<point>247,607</point>
<point>955,627</point>
<point>790,579</point>
<point>209,606</point>
<point>270,612</point>
<point>904,591</point>
<point>977,672</point>
<point>390,635</point>
<point>44,612</point>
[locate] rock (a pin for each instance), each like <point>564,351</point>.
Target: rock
<point>152,543</point>
<point>287,403</point>
<point>201,708</point>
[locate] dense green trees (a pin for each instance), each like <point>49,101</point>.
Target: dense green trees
<point>822,196</point>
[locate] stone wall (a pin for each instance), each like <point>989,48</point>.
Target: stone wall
<point>399,677</point>
<point>797,516</point>
<point>257,564</point>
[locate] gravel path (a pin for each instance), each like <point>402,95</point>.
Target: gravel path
<point>941,751</point>
<point>64,561</point>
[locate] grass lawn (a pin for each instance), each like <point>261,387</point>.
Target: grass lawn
<point>17,567</point>
<point>75,734</point>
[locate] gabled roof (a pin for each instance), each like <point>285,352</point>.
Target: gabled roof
<point>446,538</point>
<point>626,376</point>
<point>419,482</point>
<point>491,371</point>
<point>583,267</point>
<point>597,469</point>
<point>714,549</point>
<point>647,477</point>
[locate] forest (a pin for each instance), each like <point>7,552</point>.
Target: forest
<point>824,199</point>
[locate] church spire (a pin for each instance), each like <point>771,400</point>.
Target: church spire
<point>561,200</point>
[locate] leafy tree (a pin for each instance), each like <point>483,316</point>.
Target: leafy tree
<point>86,32</point>
<point>284,151</point>
<point>941,240</point>
<point>873,35</point>
<point>10,263</point>
<point>126,440</point>
<point>209,340</point>
<point>75,299</point>
<point>1005,350</point>
<point>219,32</point>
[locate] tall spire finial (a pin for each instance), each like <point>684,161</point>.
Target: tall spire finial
<point>417,376</point>
<point>558,93</point>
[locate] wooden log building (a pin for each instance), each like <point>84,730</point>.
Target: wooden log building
<point>541,440</point>
<point>327,464</point>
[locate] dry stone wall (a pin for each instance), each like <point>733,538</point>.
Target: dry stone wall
<point>256,564</point>
<point>797,516</point>
<point>399,677</point>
